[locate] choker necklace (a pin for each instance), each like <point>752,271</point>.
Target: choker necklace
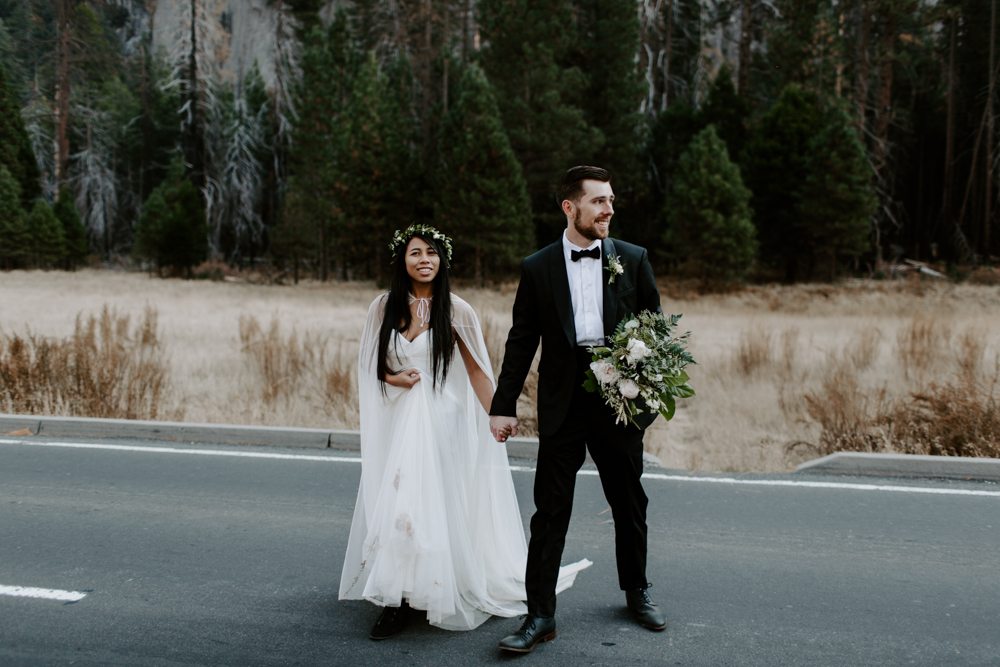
<point>423,309</point>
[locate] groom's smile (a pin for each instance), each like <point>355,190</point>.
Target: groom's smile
<point>592,213</point>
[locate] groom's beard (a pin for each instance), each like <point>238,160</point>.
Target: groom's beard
<point>589,229</point>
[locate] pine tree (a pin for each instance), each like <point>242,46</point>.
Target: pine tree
<point>74,233</point>
<point>482,200</point>
<point>778,156</point>
<point>729,112</point>
<point>709,214</point>
<point>373,168</point>
<point>15,237</point>
<point>605,48</point>
<point>837,202</point>
<point>172,231</point>
<point>149,231</point>
<point>15,144</point>
<point>526,58</point>
<point>676,127</point>
<point>296,232</point>
<point>329,65</point>
<point>48,245</point>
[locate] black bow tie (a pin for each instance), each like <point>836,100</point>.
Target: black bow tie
<point>593,253</point>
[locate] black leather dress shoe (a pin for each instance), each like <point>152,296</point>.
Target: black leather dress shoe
<point>645,610</point>
<point>390,622</point>
<point>535,629</point>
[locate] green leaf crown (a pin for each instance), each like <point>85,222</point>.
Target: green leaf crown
<point>401,238</point>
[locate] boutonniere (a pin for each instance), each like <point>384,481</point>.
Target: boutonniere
<point>614,267</point>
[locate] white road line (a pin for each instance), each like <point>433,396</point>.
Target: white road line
<point>44,593</point>
<point>671,478</point>
<point>176,450</point>
<point>816,485</point>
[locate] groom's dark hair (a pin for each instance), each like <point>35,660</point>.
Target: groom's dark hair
<point>570,186</point>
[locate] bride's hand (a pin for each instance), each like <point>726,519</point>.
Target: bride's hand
<point>404,380</point>
<point>502,427</point>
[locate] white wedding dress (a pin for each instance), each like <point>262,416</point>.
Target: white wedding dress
<point>436,520</point>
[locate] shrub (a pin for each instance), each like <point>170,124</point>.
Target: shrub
<point>15,237</point>
<point>105,369</point>
<point>74,233</point>
<point>959,418</point>
<point>287,366</point>
<point>708,215</point>
<point>172,230</point>
<point>48,245</point>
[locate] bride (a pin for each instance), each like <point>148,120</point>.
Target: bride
<point>436,525</point>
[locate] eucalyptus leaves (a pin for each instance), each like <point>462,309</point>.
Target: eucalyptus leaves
<point>646,359</point>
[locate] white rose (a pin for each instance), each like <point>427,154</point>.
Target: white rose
<point>604,372</point>
<point>636,350</point>
<point>631,324</point>
<point>628,388</point>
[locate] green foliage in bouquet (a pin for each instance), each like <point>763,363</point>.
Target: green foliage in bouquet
<point>644,363</point>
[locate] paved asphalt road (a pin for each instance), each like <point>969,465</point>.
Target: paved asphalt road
<point>204,559</point>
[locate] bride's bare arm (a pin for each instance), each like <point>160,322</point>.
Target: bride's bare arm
<point>403,380</point>
<point>480,383</point>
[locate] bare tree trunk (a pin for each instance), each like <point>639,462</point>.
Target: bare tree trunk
<point>975,161</point>
<point>322,255</point>
<point>840,62</point>
<point>480,282</point>
<point>666,57</point>
<point>745,34</point>
<point>196,139</point>
<point>862,62</point>
<point>63,9</point>
<point>466,20</point>
<point>883,109</point>
<point>949,151</point>
<point>446,58</point>
<point>988,202</point>
<point>146,140</point>
<point>883,116</point>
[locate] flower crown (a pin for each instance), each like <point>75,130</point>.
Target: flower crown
<point>401,238</point>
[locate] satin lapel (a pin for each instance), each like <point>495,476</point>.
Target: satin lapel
<point>610,291</point>
<point>560,291</point>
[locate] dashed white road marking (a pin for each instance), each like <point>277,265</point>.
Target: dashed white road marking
<point>44,593</point>
<point>646,475</point>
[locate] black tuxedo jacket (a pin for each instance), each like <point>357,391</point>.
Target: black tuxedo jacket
<point>543,310</point>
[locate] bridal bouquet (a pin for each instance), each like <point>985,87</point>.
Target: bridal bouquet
<point>645,358</point>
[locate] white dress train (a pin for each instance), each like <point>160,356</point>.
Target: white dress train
<point>436,520</point>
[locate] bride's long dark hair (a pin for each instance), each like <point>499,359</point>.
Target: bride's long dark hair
<point>397,315</point>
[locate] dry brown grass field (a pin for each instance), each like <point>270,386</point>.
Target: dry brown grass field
<point>785,373</point>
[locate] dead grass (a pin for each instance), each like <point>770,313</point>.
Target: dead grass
<point>863,350</point>
<point>958,418</point>
<point>290,369</point>
<point>105,368</point>
<point>785,372</point>
<point>921,342</point>
<point>753,350</point>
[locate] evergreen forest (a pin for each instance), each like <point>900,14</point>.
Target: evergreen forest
<point>747,139</point>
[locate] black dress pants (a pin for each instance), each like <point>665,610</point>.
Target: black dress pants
<point>617,452</point>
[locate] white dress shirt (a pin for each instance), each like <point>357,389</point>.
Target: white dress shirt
<point>587,293</point>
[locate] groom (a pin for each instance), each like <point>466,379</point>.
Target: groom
<point>569,300</point>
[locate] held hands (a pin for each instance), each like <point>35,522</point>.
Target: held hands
<point>404,380</point>
<point>503,427</point>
